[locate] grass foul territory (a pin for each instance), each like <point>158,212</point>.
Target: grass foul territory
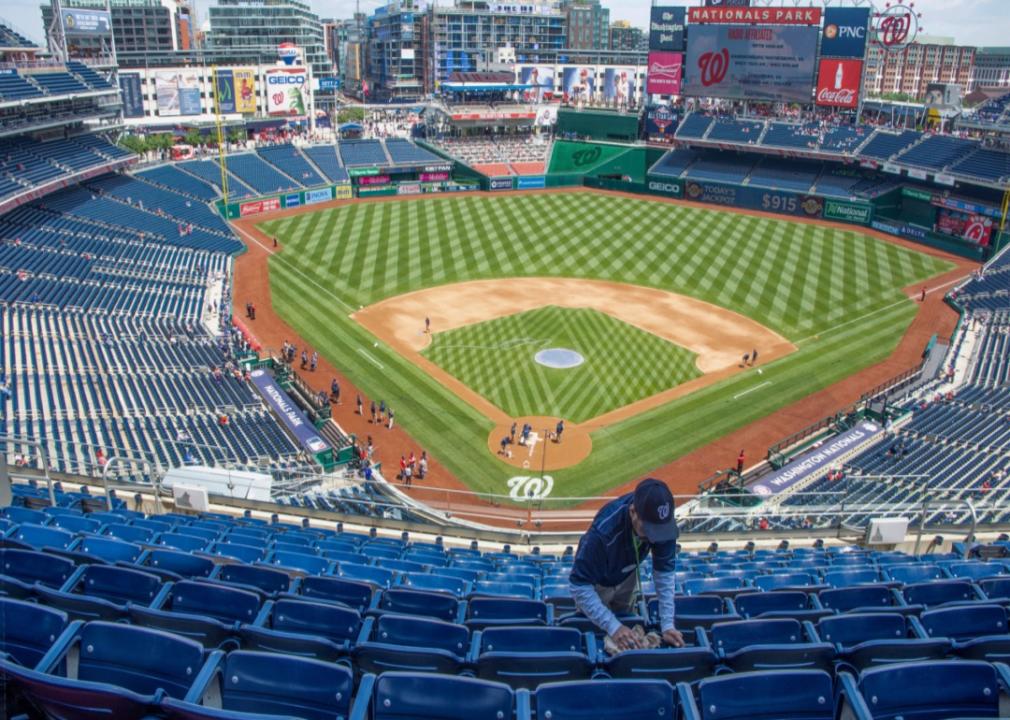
<point>835,293</point>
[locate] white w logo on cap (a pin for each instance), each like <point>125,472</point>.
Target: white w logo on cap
<point>663,511</point>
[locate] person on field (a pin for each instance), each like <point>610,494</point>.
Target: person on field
<point>739,462</point>
<point>605,574</point>
<point>558,429</point>
<point>754,356</point>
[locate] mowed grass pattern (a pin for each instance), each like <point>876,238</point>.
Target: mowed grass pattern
<point>835,293</point>
<point>622,363</point>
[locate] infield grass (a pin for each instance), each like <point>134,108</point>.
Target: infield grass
<point>622,363</point>
<point>836,294</point>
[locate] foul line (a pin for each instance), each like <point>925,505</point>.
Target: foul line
<point>292,267</point>
<point>371,359</point>
<point>756,387</point>
<point>895,304</point>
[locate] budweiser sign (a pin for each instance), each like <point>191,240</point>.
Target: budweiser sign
<point>664,73</point>
<point>755,15</point>
<point>838,82</point>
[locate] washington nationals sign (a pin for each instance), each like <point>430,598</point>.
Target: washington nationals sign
<point>896,26</point>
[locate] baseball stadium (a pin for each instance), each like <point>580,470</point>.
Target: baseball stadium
<point>658,380</point>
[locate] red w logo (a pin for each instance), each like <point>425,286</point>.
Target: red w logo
<point>713,66</point>
<point>894,29</point>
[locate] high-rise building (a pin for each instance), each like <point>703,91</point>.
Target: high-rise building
<point>470,36</point>
<point>991,68</point>
<point>587,24</point>
<point>262,25</point>
<point>910,70</point>
<point>138,26</point>
<point>397,51</point>
<point>624,36</point>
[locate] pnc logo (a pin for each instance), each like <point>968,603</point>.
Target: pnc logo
<point>713,66</point>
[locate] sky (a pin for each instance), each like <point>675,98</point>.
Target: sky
<point>969,22</point>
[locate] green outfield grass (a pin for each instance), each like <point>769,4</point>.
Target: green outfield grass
<point>621,362</point>
<point>836,294</point>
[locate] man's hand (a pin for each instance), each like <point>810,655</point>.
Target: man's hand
<point>673,637</point>
<point>626,639</point>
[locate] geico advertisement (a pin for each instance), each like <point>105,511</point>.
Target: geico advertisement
<point>286,88</point>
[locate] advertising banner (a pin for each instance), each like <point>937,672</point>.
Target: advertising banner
<point>845,31</point>
<point>289,413</point>
<point>132,94</point>
<point>666,28</point>
<point>259,206</point>
<point>976,229</point>
<point>943,179</point>
<point>166,87</point>
<point>666,186</point>
<point>376,191</point>
<point>579,82</point>
<point>660,122</point>
<point>189,93</point>
<point>818,460</point>
<point>374,180</point>
<point>859,213</point>
<point>730,15</point>
<point>343,192</point>
<point>434,176</point>
<point>664,74</point>
<point>224,90</point>
<point>777,201</point>
<point>845,211</point>
<point>838,82</point>
<point>726,3</point>
<point>896,227</point>
<point>286,91</point>
<point>329,84</point>
<point>293,200</point>
<point>531,182</point>
<point>408,189</point>
<point>318,196</point>
<point>86,22</point>
<point>756,63</point>
<point>539,77</point>
<point>501,183</point>
<point>917,173</point>
<point>619,84</point>
<point>245,90</point>
<point>962,205</point>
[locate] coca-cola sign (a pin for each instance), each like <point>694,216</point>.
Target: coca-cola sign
<point>896,26</point>
<point>838,82</point>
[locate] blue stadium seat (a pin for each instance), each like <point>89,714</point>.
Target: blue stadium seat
<point>848,577</point>
<point>416,644</point>
<point>180,541</point>
<point>110,678</point>
<point>526,657</point>
<point>29,630</point>
<point>975,570</point>
<point>723,586</point>
<point>109,550</point>
<point>252,577</point>
<point>75,524</point>
<point>925,691</point>
<point>696,611</point>
<point>411,696</point>
<point>865,598</point>
<point>238,551</point>
<point>228,605</point>
<point>246,685</point>
<point>323,631</point>
<point>129,533</point>
<point>781,603</point>
<point>378,577</point>
<point>978,632</point>
<point>353,594</point>
<point>39,536</point>
<point>21,515</point>
<point>605,699</point>
<point>935,593</point>
<point>417,602</point>
<point>863,640</point>
<point>917,573</point>
<point>688,664</point>
<point>437,583</point>
<point>996,589</point>
<point>23,568</point>
<point>488,612</point>
<point>795,694</point>
<point>102,592</point>
<point>176,565</point>
<point>300,562</point>
<point>768,644</point>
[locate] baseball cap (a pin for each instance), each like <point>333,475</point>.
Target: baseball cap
<point>653,503</point>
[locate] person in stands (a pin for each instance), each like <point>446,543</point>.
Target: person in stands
<point>605,574</point>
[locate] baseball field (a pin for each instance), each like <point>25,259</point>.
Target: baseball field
<point>658,300</point>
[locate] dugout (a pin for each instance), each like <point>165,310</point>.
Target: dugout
<point>597,124</point>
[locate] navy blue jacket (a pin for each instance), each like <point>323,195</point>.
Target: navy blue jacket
<point>606,554</point>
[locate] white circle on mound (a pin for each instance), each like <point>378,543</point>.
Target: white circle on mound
<point>559,358</point>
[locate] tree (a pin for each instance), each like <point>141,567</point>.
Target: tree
<point>194,137</point>
<point>134,143</point>
<point>350,113</point>
<point>237,135</point>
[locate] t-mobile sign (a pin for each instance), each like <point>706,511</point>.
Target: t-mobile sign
<point>664,73</point>
<point>838,82</point>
